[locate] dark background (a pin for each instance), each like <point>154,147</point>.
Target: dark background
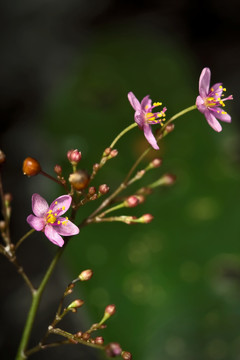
<point>66,69</point>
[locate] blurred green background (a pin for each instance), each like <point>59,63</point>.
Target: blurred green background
<point>175,281</point>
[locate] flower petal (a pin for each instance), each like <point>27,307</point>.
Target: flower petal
<point>39,205</point>
<point>61,204</point>
<point>200,104</point>
<point>146,102</point>
<point>139,119</point>
<point>68,229</point>
<point>212,121</point>
<point>216,89</point>
<point>53,236</point>
<point>204,82</point>
<point>134,101</point>
<point>150,137</point>
<point>36,223</point>
<point>218,113</point>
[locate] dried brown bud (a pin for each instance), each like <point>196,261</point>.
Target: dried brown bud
<point>74,156</point>
<point>31,167</point>
<point>58,169</point>
<point>79,180</point>
<point>85,336</point>
<point>126,355</point>
<point>99,340</point>
<point>85,275</point>
<point>2,157</point>
<point>103,189</point>
<point>113,349</point>
<point>110,310</point>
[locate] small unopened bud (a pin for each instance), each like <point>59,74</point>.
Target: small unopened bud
<point>96,167</point>
<point>110,310</point>
<point>126,355</point>
<point>94,197</point>
<point>79,334</point>
<point>131,201</point>
<point>113,153</point>
<point>141,198</point>
<point>31,167</point>
<point>79,180</point>
<point>92,190</point>
<point>144,191</point>
<point>58,169</point>
<point>145,219</point>
<point>169,128</point>
<point>107,151</point>
<point>140,174</point>
<point>169,179</point>
<point>2,157</point>
<point>113,349</point>
<point>99,340</point>
<point>86,336</point>
<point>74,156</point>
<point>76,304</point>
<point>155,163</point>
<point>85,275</point>
<point>103,189</point>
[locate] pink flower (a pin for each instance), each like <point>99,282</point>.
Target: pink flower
<point>210,102</point>
<point>144,116</point>
<point>49,220</point>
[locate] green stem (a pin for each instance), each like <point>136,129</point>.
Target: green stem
<point>33,309</point>
<point>23,238</point>
<point>122,133</point>
<point>119,206</point>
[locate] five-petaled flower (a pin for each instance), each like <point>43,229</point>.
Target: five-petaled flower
<point>210,102</point>
<point>144,116</point>
<point>48,218</point>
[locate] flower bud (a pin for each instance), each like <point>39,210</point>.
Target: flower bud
<point>113,349</point>
<point>31,167</point>
<point>76,304</point>
<point>2,157</point>
<point>96,167</point>
<point>155,163</point>
<point>126,355</point>
<point>85,275</point>
<point>86,336</point>
<point>94,197</point>
<point>168,179</point>
<point>144,191</point>
<point>107,151</point>
<point>103,189</point>
<point>74,156</point>
<point>79,334</point>
<point>79,180</point>
<point>92,190</point>
<point>131,201</point>
<point>113,153</point>
<point>110,309</point>
<point>145,219</point>
<point>99,340</point>
<point>169,128</point>
<point>58,169</point>
<point>2,225</point>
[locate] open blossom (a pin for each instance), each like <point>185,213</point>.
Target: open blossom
<point>48,218</point>
<point>144,116</point>
<point>210,102</point>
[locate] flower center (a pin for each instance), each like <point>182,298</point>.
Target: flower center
<point>214,97</point>
<point>51,218</point>
<point>155,117</point>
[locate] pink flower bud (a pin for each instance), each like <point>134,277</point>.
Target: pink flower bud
<point>169,128</point>
<point>58,169</point>
<point>113,349</point>
<point>131,201</point>
<point>146,218</point>
<point>86,336</point>
<point>85,275</point>
<point>76,304</point>
<point>74,156</point>
<point>96,167</point>
<point>110,310</point>
<point>168,179</point>
<point>99,340</point>
<point>126,355</point>
<point>113,153</point>
<point>156,162</point>
<point>107,151</point>
<point>103,189</point>
<point>92,190</point>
